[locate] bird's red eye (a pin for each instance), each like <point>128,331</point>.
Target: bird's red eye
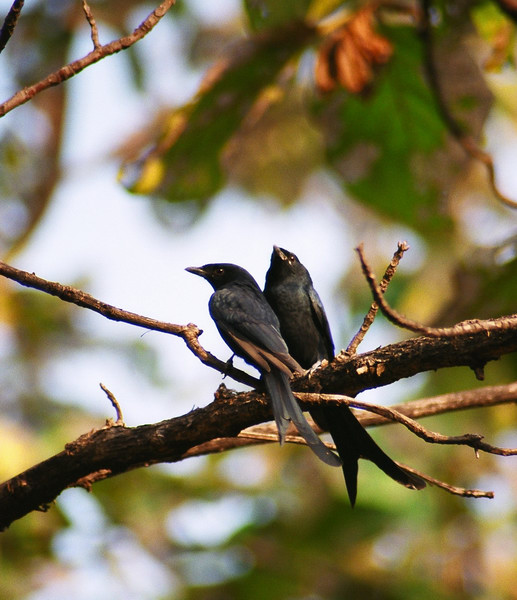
<point>219,271</point>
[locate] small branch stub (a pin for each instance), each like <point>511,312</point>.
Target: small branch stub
<point>115,404</point>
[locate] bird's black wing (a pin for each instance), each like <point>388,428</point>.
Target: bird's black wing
<point>321,322</point>
<point>250,327</point>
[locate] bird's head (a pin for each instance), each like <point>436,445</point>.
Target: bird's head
<point>221,274</point>
<point>285,264</point>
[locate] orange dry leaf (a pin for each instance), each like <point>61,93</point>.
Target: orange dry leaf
<point>348,55</point>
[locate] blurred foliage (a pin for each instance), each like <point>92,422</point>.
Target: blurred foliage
<point>258,121</point>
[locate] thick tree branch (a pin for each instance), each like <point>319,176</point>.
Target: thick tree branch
<point>385,365</point>
<point>113,450</point>
<point>94,56</point>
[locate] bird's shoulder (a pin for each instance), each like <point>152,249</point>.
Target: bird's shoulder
<point>289,293</point>
<point>241,301</point>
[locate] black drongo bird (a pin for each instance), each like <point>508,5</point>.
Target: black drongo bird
<point>305,329</point>
<point>249,326</point>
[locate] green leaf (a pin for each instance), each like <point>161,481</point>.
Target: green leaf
<point>186,163</point>
<point>271,13</point>
<point>381,144</point>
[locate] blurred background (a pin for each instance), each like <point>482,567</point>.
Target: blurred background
<point>231,127</point>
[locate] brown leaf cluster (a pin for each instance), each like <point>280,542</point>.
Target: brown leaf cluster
<point>348,56</point>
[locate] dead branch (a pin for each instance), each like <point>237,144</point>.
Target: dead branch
<point>189,333</point>
<point>473,440</point>
<point>94,56</point>
<point>452,489</point>
<point>116,406</point>
<point>492,395</point>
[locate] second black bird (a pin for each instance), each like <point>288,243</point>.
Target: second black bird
<point>249,326</point>
<point>305,329</point>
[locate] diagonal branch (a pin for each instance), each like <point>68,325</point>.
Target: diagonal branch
<point>94,56</point>
<point>452,489</point>
<point>189,333</point>
<point>10,22</point>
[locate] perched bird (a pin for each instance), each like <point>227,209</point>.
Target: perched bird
<point>249,326</point>
<point>305,329</point>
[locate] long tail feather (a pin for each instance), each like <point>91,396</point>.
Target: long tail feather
<point>286,408</point>
<point>354,442</point>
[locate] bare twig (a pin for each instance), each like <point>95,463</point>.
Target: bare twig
<point>10,22</point>
<point>93,25</point>
<point>466,141</point>
<point>115,404</point>
<point>473,440</point>
<point>189,333</point>
<point>263,434</point>
<point>463,328</point>
<point>370,316</point>
<point>97,54</point>
<point>457,491</point>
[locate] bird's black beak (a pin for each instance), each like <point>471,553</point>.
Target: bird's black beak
<point>197,271</point>
<point>280,253</point>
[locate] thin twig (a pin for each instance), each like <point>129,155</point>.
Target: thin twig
<point>93,25</point>
<point>463,328</point>
<point>457,491</point>
<point>466,141</point>
<point>115,404</point>
<point>76,66</point>
<point>492,395</point>
<point>370,316</point>
<point>469,439</point>
<point>473,440</point>
<point>10,22</point>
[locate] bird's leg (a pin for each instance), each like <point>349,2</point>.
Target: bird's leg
<point>315,367</point>
<point>229,365</point>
